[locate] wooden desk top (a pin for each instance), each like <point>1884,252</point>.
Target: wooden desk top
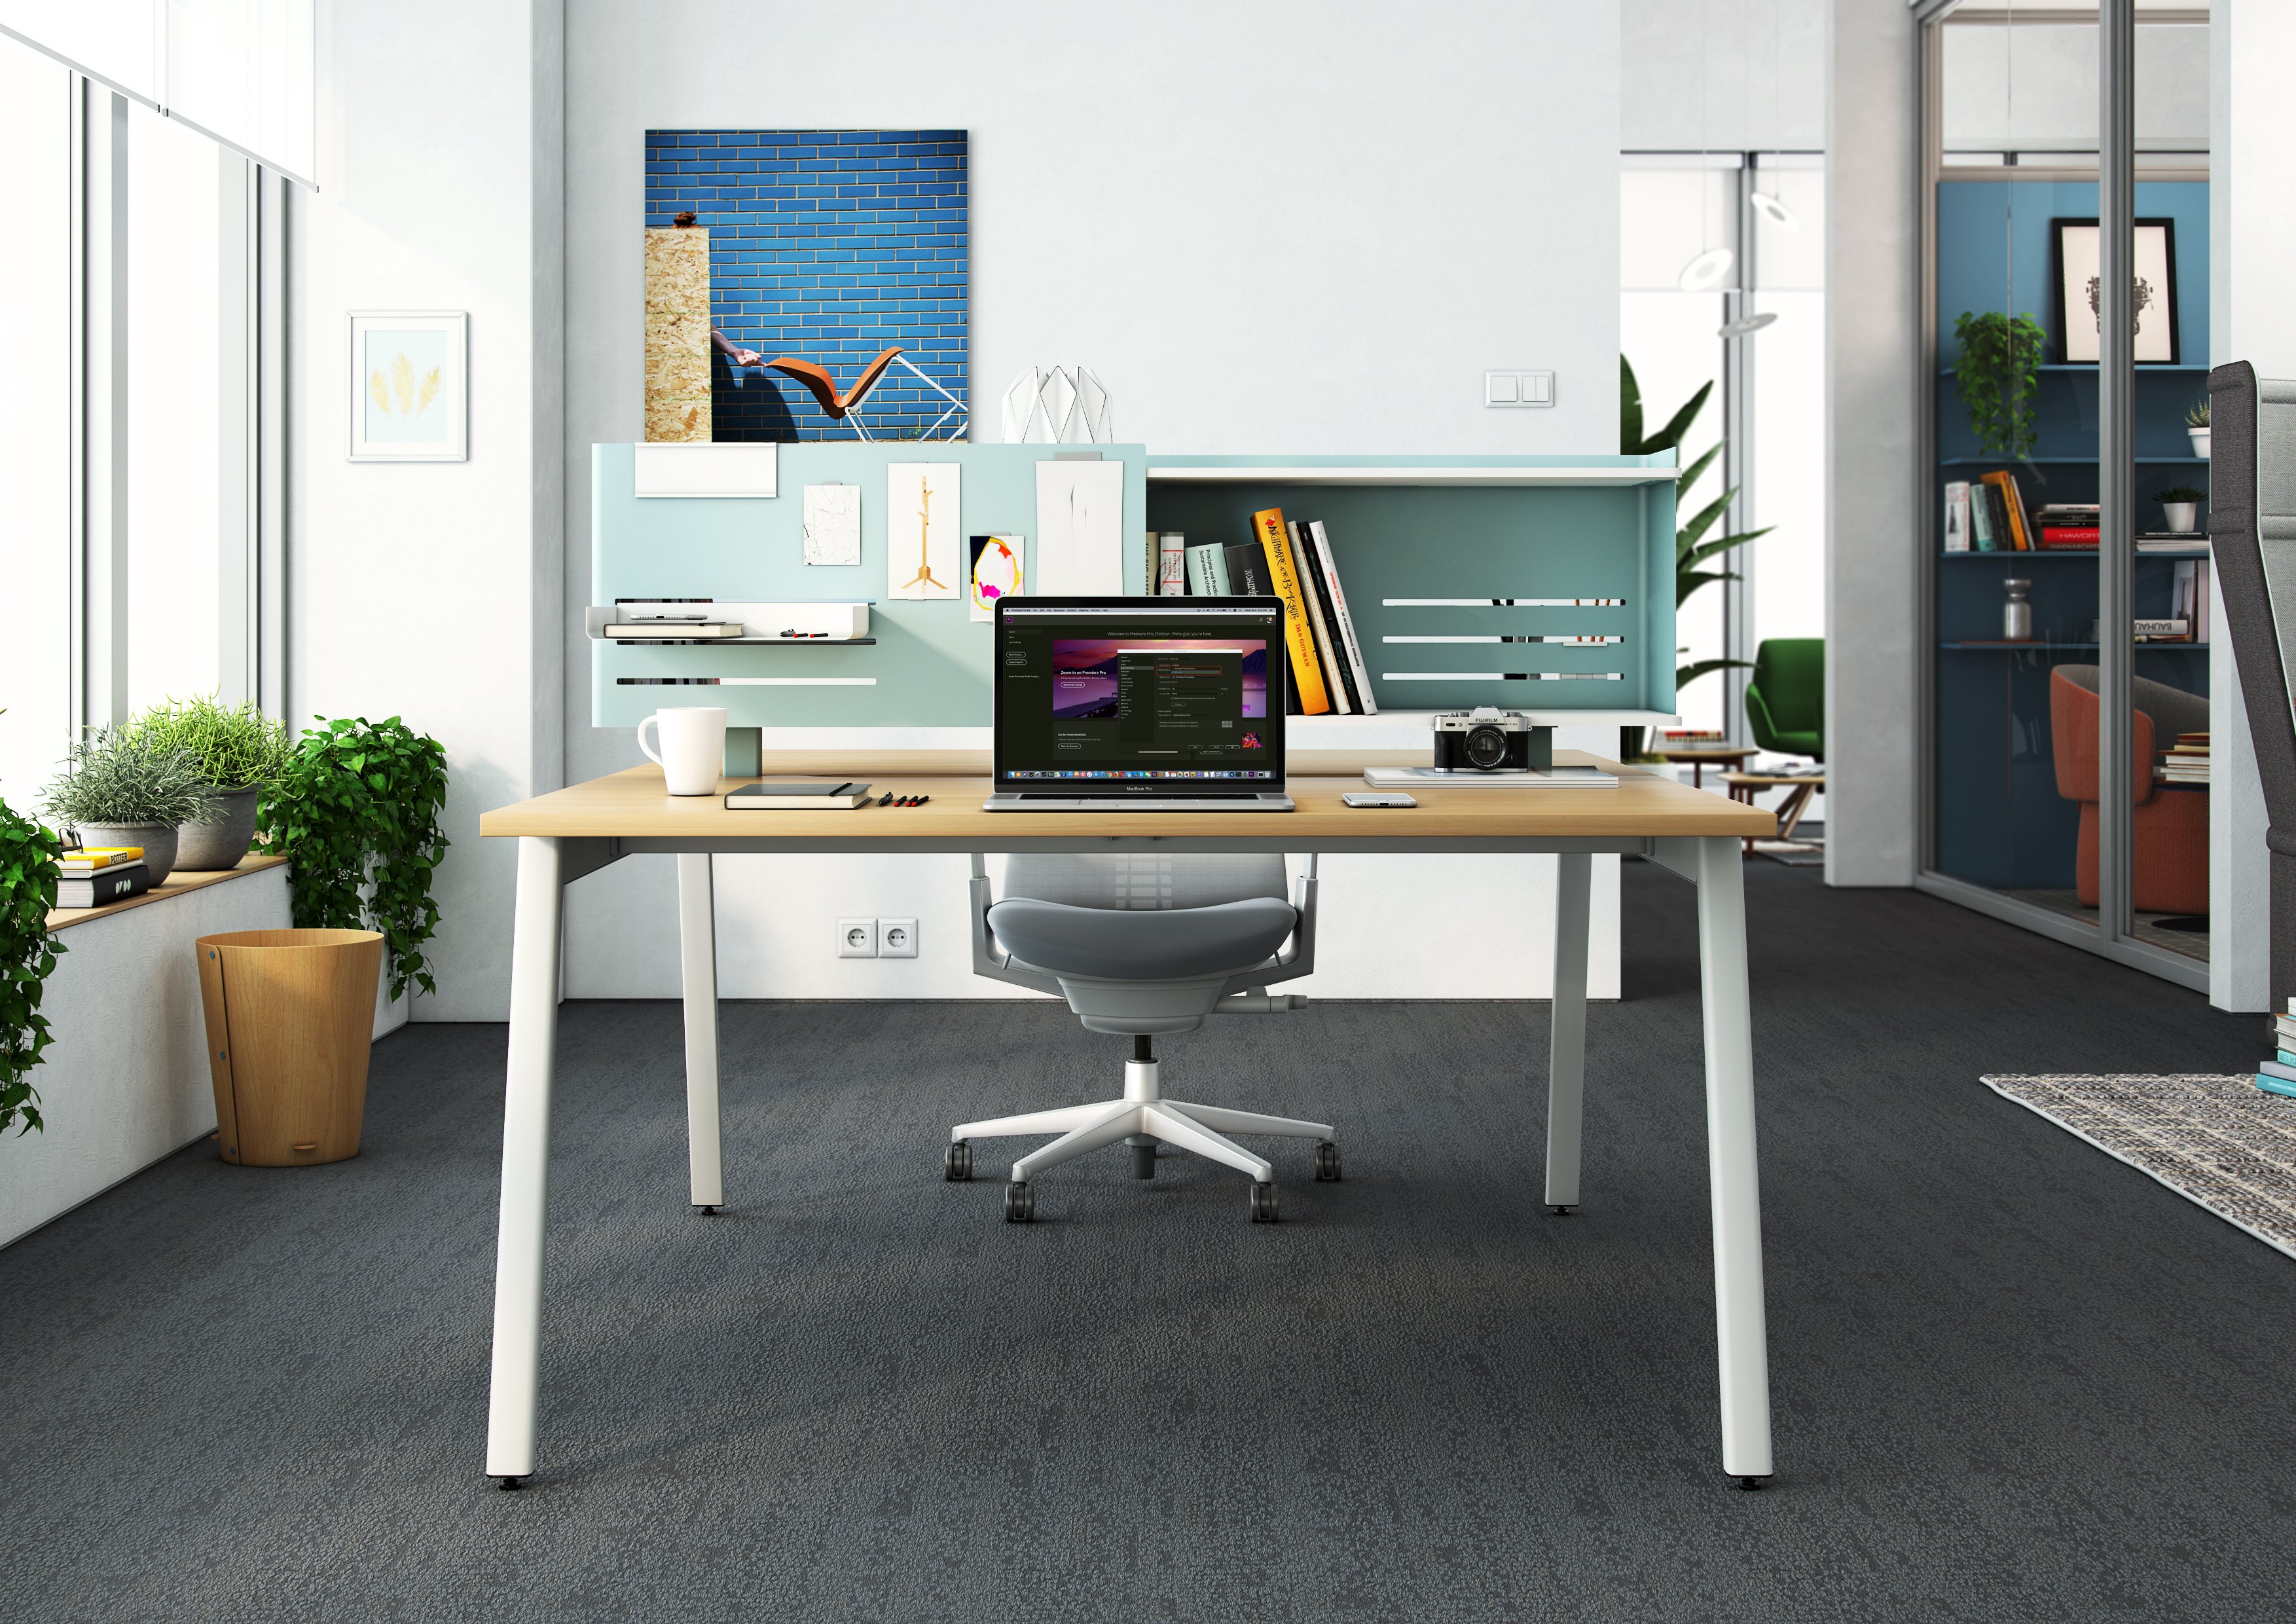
<point>633,806</point>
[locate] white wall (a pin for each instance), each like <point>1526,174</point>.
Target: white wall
<point>1723,75</point>
<point>2251,237</point>
<point>1271,228</point>
<point>1872,358</point>
<point>440,168</point>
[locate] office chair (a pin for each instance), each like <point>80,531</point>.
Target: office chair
<point>1142,945</point>
<point>2252,536</point>
<point>2168,825</point>
<point>1785,698</point>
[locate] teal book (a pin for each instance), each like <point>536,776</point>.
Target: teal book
<point>2274,1085</point>
<point>1208,570</point>
<point>2286,1059</point>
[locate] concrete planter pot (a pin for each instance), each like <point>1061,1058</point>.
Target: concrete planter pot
<point>2200,442</point>
<point>2181,515</point>
<point>290,1023</point>
<point>158,841</point>
<point>207,847</point>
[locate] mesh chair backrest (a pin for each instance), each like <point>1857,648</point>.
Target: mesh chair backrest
<point>1144,880</point>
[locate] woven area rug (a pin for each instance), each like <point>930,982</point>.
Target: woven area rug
<point>2219,1140</point>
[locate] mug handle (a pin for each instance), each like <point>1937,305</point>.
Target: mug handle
<point>655,722</point>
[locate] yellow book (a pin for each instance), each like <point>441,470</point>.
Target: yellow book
<point>88,859</point>
<point>1307,665</point>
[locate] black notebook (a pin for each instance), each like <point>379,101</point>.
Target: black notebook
<point>797,797</point>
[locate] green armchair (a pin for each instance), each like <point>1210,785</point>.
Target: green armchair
<point>1785,700</point>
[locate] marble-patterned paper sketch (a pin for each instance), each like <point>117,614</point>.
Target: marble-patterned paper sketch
<point>1079,519</point>
<point>832,524</point>
<point>996,573</point>
<point>924,556</point>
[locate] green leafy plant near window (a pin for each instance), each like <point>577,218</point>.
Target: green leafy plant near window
<point>1693,552</point>
<point>27,952</point>
<point>2180,493</point>
<point>1997,374</point>
<point>116,776</point>
<point>355,811</point>
<point>235,746</point>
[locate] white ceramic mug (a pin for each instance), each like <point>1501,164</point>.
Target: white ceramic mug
<point>692,747</point>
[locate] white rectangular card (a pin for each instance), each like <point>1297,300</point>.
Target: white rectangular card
<point>1079,520</point>
<point>832,524</point>
<point>925,546</point>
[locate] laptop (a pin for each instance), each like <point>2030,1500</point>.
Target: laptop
<point>1139,704</point>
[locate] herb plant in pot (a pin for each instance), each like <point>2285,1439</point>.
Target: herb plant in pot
<point>239,750</point>
<point>118,788</point>
<point>2180,504</point>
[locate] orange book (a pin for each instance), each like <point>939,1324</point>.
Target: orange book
<point>2012,500</point>
<point>1307,664</point>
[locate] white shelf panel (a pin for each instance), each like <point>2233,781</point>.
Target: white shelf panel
<point>1181,474</point>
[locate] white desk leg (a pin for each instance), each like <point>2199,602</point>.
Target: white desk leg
<point>525,1162</point>
<point>1566,1063</point>
<point>1733,1179</point>
<point>697,942</point>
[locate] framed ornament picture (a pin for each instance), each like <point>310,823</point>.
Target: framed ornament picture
<point>410,386</point>
<point>2080,278</point>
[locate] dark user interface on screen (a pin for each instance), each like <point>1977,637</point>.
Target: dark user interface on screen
<point>1094,701</point>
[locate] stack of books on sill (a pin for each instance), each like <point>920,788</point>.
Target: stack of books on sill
<point>2186,761</point>
<point>2278,1074</point>
<point>1291,560</point>
<point>93,875</point>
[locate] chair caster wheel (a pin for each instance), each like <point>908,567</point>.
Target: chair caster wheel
<point>510,1485</point>
<point>1020,1202</point>
<point>1752,1483</point>
<point>1327,1161</point>
<point>1562,1212</point>
<point>705,1212</point>
<point>958,1165</point>
<point>1263,1203</point>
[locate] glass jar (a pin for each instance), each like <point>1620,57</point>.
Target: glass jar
<point>2017,613</point>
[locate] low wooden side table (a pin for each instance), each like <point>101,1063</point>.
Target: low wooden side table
<point>1700,759</point>
<point>1745,786</point>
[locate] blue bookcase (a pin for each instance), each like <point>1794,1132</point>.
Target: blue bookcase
<point>1998,818</point>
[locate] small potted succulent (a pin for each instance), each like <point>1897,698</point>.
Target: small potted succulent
<point>2196,425</point>
<point>239,750</point>
<point>118,788</point>
<point>2181,503</point>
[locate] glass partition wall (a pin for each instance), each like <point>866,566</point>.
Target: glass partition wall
<point>2065,306</point>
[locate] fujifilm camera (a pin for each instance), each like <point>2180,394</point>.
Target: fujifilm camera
<point>1484,740</point>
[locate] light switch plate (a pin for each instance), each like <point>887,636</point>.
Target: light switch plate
<point>1518,388</point>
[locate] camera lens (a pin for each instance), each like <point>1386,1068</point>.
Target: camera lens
<point>1485,748</point>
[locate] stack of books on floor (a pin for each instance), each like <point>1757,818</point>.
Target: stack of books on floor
<point>2187,760</point>
<point>93,875</point>
<point>1292,560</point>
<point>2278,1074</point>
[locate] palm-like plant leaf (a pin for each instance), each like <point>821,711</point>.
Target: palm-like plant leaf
<point>1689,476</point>
<point>1687,581</point>
<point>1632,441</point>
<point>1687,537</point>
<point>1686,675</point>
<point>1719,545</point>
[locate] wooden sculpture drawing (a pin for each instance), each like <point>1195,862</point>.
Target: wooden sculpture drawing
<point>924,575</point>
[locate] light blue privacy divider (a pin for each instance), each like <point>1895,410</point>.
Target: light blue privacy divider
<point>930,660</point>
<point>1422,526</point>
<point>1465,527</point>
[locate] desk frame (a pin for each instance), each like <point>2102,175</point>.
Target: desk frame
<point>547,865</point>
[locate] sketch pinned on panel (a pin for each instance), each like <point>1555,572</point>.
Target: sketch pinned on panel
<point>922,527</point>
<point>996,574</point>
<point>1079,520</point>
<point>1059,406</point>
<point>832,524</point>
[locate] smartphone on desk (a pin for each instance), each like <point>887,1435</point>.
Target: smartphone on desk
<point>1376,798</point>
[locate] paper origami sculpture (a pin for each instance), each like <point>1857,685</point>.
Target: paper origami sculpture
<point>1058,406</point>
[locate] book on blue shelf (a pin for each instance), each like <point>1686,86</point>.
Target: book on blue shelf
<point>1208,570</point>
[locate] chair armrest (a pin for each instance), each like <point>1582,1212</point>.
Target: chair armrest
<point>989,959</point>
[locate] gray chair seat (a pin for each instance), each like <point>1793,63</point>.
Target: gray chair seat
<point>1154,944</point>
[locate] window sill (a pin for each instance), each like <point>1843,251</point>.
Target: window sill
<point>179,884</point>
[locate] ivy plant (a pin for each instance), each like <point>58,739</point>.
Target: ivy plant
<point>27,952</point>
<point>1997,374</point>
<point>355,811</point>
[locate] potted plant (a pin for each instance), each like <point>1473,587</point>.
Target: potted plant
<point>118,788</point>
<point>1997,374</point>
<point>2181,505</point>
<point>27,952</point>
<point>238,750</point>
<point>2196,425</point>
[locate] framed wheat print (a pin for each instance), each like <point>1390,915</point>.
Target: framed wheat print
<point>410,386</point>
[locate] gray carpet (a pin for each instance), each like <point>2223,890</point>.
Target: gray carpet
<point>2014,1378</point>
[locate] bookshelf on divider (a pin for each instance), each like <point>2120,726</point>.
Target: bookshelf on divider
<point>1996,817</point>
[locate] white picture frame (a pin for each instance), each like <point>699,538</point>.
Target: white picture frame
<point>410,386</point>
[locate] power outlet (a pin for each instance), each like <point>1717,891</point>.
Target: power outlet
<point>857,939</point>
<point>897,939</point>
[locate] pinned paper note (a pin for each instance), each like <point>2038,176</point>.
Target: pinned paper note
<point>996,573</point>
<point>1080,512</point>
<point>832,524</point>
<point>921,530</point>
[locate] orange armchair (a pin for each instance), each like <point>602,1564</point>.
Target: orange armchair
<point>2170,832</point>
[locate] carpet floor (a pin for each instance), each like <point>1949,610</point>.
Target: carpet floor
<point>2013,1379</point>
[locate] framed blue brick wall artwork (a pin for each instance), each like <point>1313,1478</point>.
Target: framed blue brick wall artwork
<point>820,247</point>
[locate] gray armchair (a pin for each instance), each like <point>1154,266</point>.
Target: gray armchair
<point>1142,945</point>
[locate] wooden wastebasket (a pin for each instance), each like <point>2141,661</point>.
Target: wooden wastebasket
<point>291,1018</point>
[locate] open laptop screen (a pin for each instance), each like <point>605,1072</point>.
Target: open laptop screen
<point>1140,695</point>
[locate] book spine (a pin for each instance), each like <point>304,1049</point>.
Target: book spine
<point>2079,537</point>
<point>2003,539</point>
<point>1312,591</point>
<point>1956,516</point>
<point>1347,642</point>
<point>1208,570</point>
<point>1247,570</point>
<point>93,890</point>
<point>1171,565</point>
<point>1980,520</point>
<point>2273,1085</point>
<point>2199,600</point>
<point>1306,673</point>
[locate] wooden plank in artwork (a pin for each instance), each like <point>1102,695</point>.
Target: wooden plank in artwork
<point>676,333</point>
